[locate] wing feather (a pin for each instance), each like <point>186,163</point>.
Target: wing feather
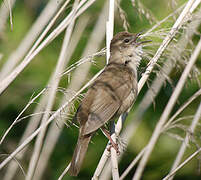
<point>103,109</point>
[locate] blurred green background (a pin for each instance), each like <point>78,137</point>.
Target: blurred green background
<point>35,77</point>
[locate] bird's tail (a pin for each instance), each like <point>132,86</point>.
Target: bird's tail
<point>79,154</point>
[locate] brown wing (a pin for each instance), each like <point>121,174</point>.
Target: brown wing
<point>102,110</point>
<point>110,90</point>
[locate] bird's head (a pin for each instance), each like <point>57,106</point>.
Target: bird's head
<point>126,47</point>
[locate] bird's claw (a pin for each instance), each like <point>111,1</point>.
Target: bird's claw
<point>115,146</point>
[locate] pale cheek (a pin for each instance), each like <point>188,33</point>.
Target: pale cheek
<point>118,43</point>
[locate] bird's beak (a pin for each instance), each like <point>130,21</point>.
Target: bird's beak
<point>143,42</point>
<point>136,37</point>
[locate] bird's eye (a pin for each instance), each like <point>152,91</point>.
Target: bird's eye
<point>126,40</point>
<point>126,62</point>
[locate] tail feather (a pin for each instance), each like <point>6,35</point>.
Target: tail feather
<point>79,154</point>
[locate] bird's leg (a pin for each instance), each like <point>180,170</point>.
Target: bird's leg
<point>107,134</point>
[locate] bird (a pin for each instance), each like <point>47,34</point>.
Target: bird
<point>112,93</point>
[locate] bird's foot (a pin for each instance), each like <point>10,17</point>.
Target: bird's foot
<point>112,143</point>
<point>115,146</point>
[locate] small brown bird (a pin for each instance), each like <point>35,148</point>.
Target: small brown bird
<point>113,92</point>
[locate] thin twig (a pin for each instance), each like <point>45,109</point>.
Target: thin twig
<point>10,15</point>
<point>165,43</point>
<point>93,45</point>
<point>169,106</point>
<point>44,125</point>
<point>57,113</point>
<point>25,108</point>
<point>191,99</point>
<point>31,36</point>
<point>182,164</point>
<point>11,77</point>
<point>5,12</point>
<point>64,172</point>
<point>109,36</point>
<point>186,141</point>
<point>54,132</point>
<point>52,93</point>
<point>105,156</point>
<point>32,125</point>
<point>132,164</point>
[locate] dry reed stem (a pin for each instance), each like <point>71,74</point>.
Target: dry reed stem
<point>11,77</point>
<point>162,21</point>
<point>138,114</point>
<point>136,159</point>
<point>15,121</point>
<point>109,29</point>
<point>196,1</point>
<point>165,42</point>
<point>104,157</point>
<point>20,52</point>
<point>30,37</point>
<point>168,108</point>
<point>109,36</point>
<point>192,98</point>
<point>159,80</point>
<point>182,164</point>
<point>64,172</point>
<point>132,164</point>
<point>122,15</point>
<point>93,45</point>
<point>128,131</point>
<point>54,132</point>
<point>186,141</point>
<point>10,15</point>
<point>6,11</point>
<point>103,160</point>
<point>93,40</point>
<point>86,59</point>
<point>57,113</point>
<point>35,119</point>
<point>52,94</point>
<point>33,123</point>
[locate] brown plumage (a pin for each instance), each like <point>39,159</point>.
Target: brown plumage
<point>113,92</point>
